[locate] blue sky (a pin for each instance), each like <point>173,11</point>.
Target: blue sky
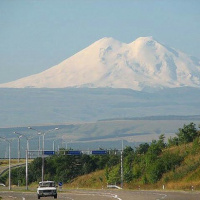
<point>38,34</point>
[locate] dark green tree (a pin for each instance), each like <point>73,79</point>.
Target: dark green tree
<point>127,151</point>
<point>155,171</point>
<point>142,149</point>
<point>188,133</point>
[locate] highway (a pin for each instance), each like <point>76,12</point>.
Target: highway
<point>105,195</point>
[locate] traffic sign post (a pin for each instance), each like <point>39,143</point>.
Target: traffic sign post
<point>76,153</point>
<point>60,184</point>
<point>49,152</point>
<point>99,152</point>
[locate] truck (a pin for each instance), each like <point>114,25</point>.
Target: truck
<point>46,189</point>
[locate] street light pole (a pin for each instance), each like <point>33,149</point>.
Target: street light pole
<point>39,144</point>
<point>43,134</point>
<point>43,138</point>
<point>39,134</point>
<point>27,151</point>
<point>53,145</point>
<point>27,139</point>
<point>122,172</point>
<point>26,169</point>
<point>9,175</point>
<point>9,166</point>
<point>19,153</point>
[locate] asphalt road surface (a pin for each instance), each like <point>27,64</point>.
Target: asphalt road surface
<point>105,195</point>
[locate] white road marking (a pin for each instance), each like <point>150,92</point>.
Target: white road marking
<point>65,197</point>
<point>163,196</point>
<point>110,195</point>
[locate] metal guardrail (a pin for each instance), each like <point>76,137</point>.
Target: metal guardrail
<point>113,186</point>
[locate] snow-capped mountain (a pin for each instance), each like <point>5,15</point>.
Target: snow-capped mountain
<point>141,65</point>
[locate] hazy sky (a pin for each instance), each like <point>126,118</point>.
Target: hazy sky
<point>38,34</point>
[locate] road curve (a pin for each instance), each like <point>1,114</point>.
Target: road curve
<point>5,168</point>
<point>105,195</point>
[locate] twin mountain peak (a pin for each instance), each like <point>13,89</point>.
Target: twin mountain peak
<point>143,64</point>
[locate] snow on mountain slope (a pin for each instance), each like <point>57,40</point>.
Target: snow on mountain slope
<point>141,65</point>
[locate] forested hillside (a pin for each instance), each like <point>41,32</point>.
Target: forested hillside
<point>175,164</point>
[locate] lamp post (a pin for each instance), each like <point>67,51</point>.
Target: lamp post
<point>54,145</point>
<point>122,172</point>
<point>43,139</point>
<point>9,176</point>
<point>27,151</point>
<point>39,134</point>
<point>121,163</point>
<point>66,145</point>
<point>19,153</point>
<point>39,143</point>
<point>27,139</point>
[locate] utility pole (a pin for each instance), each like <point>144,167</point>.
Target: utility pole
<point>122,172</point>
<point>26,169</point>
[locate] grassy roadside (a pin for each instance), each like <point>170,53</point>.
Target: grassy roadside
<point>184,177</point>
<point>97,180</point>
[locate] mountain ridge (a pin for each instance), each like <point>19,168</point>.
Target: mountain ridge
<point>143,64</point>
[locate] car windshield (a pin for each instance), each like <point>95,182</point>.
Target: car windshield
<point>47,184</point>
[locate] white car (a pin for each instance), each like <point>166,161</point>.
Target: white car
<point>46,189</point>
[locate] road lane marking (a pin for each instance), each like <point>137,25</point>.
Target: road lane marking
<point>163,196</point>
<point>12,197</point>
<point>62,196</point>
<point>109,195</point>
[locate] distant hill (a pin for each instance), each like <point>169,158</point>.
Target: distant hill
<point>100,134</point>
<point>167,117</point>
<point>24,107</point>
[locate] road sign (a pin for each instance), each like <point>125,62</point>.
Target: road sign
<point>49,152</point>
<point>99,152</point>
<point>74,153</point>
<point>60,184</point>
